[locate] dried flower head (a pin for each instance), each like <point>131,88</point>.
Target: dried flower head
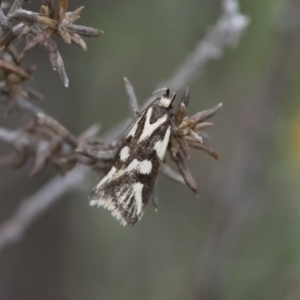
<point>52,20</point>
<point>187,133</point>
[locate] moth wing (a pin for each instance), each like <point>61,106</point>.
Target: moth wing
<point>126,189</point>
<point>124,200</point>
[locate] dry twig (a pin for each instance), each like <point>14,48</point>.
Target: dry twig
<point>31,208</point>
<point>226,32</point>
<point>132,98</point>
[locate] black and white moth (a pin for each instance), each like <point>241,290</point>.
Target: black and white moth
<point>127,187</point>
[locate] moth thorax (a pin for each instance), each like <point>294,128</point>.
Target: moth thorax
<point>165,102</point>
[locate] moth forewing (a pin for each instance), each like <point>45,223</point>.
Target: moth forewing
<point>127,187</point>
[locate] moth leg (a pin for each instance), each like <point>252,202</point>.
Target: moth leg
<point>154,196</point>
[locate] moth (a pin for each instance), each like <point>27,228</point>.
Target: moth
<point>127,187</point>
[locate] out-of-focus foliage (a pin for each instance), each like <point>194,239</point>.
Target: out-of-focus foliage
<point>295,138</point>
<point>241,238</point>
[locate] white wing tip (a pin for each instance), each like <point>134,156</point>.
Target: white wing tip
<point>109,205</point>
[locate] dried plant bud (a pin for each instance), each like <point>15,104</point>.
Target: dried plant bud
<point>75,15</point>
<point>14,69</point>
<point>184,146</point>
<point>206,148</point>
<point>64,34</point>
<point>44,10</point>
<point>186,134</point>
<point>85,31</point>
<point>180,114</point>
<point>57,61</point>
<point>204,115</point>
<point>185,172</point>
<point>201,126</point>
<point>77,40</point>
<point>63,4</point>
<point>183,126</point>
<point>186,97</point>
<point>51,23</point>
<point>51,20</point>
<point>174,146</point>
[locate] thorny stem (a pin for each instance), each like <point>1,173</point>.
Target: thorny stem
<point>227,32</point>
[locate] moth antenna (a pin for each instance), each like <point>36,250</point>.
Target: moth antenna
<point>173,97</point>
<point>166,89</point>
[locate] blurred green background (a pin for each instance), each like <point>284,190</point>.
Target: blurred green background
<point>241,238</point>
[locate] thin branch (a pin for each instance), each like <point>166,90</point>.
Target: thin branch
<point>227,32</point>
<point>31,208</point>
<point>132,98</point>
<point>28,106</point>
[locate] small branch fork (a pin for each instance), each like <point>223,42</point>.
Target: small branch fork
<point>49,142</point>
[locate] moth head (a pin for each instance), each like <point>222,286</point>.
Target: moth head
<point>166,100</point>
